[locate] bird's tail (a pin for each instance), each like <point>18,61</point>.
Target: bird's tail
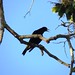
<point>25,50</point>
<point>31,49</point>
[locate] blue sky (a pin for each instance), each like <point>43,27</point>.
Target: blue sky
<point>12,61</point>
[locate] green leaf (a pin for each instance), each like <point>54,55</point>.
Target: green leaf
<point>74,4</point>
<point>61,11</point>
<point>68,16</point>
<point>69,11</point>
<point>74,15</point>
<point>59,8</point>
<point>73,69</point>
<point>55,9</point>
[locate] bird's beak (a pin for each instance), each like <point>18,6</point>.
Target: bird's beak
<point>47,30</point>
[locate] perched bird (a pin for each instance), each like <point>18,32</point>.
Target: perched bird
<point>35,40</point>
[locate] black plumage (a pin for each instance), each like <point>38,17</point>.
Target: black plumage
<point>35,40</point>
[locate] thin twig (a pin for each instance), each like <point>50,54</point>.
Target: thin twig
<point>29,8</point>
<point>65,49</point>
<point>53,56</point>
<point>63,46</point>
<point>52,2</point>
<point>57,27</point>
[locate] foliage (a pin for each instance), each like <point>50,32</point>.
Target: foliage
<point>68,10</point>
<point>73,69</point>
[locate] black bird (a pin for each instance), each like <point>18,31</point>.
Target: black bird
<point>35,40</point>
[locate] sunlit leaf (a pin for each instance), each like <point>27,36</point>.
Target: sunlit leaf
<point>54,9</point>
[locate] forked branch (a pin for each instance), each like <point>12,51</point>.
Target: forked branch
<point>41,47</point>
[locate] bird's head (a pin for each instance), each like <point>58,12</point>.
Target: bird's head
<point>45,29</point>
<point>41,30</point>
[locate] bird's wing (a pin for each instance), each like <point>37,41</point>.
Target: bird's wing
<point>27,48</point>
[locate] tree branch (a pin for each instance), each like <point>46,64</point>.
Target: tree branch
<point>1,21</point>
<point>29,8</point>
<point>54,57</point>
<point>59,36</point>
<point>45,39</point>
<point>72,55</point>
<point>42,48</point>
<point>33,36</point>
<point>20,38</point>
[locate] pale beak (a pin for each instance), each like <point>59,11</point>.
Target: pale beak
<point>47,30</point>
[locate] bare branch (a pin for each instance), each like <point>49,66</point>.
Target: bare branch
<point>42,48</point>
<point>1,20</point>
<point>57,27</point>
<point>59,42</point>
<point>69,25</point>
<point>45,39</point>
<point>65,49</point>
<point>72,55</point>
<point>33,36</point>
<point>60,36</point>
<point>53,56</point>
<point>29,8</point>
<point>52,2</point>
<point>63,45</point>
